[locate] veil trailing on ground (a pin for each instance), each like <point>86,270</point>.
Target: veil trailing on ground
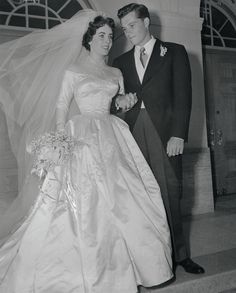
<point>31,72</point>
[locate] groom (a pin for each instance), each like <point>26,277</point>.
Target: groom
<point>159,73</point>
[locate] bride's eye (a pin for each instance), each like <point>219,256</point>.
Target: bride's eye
<point>101,36</point>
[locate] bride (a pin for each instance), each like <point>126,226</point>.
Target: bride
<point>93,220</point>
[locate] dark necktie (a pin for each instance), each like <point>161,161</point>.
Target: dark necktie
<point>143,56</point>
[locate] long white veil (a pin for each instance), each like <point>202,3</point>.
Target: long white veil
<point>31,72</point>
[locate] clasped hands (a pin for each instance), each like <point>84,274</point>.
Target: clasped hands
<point>126,102</point>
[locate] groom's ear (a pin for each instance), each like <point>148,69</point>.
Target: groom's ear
<point>146,22</point>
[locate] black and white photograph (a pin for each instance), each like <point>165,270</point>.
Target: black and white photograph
<point>117,146</point>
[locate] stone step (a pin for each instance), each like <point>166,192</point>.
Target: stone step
<point>220,276</point>
<point>211,233</point>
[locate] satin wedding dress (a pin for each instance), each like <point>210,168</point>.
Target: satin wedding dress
<point>98,224</point>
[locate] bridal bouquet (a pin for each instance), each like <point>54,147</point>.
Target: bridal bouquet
<point>50,150</point>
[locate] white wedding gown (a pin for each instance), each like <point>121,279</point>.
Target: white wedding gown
<point>100,228</point>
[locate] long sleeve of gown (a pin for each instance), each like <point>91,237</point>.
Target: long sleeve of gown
<point>113,109</point>
<point>121,85</point>
<point>64,100</point>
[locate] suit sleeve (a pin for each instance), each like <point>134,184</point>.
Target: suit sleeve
<point>182,93</point>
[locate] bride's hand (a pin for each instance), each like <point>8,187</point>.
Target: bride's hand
<point>127,101</point>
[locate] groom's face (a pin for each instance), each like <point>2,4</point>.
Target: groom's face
<point>136,29</point>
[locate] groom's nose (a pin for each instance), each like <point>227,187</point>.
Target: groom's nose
<point>128,34</point>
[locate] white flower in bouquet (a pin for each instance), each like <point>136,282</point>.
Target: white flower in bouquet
<point>50,150</point>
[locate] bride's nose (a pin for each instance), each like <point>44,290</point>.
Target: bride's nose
<point>107,40</point>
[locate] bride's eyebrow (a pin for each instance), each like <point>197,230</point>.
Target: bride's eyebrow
<point>103,33</point>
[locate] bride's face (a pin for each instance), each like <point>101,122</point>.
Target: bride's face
<point>102,41</point>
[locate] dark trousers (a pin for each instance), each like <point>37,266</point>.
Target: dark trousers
<point>168,173</point>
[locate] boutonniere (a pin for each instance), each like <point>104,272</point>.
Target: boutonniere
<point>163,51</point>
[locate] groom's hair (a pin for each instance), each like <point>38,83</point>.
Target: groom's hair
<point>98,22</point>
<point>140,10</point>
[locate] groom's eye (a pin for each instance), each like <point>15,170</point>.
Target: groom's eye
<point>131,25</point>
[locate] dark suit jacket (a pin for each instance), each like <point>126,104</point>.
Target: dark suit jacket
<point>165,90</point>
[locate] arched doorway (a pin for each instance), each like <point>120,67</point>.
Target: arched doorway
<point>219,54</point>
<point>38,14</point>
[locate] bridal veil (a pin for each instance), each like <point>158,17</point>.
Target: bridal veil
<point>31,72</point>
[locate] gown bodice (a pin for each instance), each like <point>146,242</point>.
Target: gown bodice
<point>92,94</point>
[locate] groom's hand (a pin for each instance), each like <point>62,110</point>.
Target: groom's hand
<point>175,146</point>
<point>126,102</point>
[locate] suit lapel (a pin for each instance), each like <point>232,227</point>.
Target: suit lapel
<point>155,62</point>
<point>133,71</point>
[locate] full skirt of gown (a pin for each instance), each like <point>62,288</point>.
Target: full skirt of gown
<point>98,224</point>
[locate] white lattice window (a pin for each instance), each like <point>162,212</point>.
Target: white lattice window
<point>219,26</point>
<point>38,14</point>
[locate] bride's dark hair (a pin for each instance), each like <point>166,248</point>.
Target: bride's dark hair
<point>98,22</point>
